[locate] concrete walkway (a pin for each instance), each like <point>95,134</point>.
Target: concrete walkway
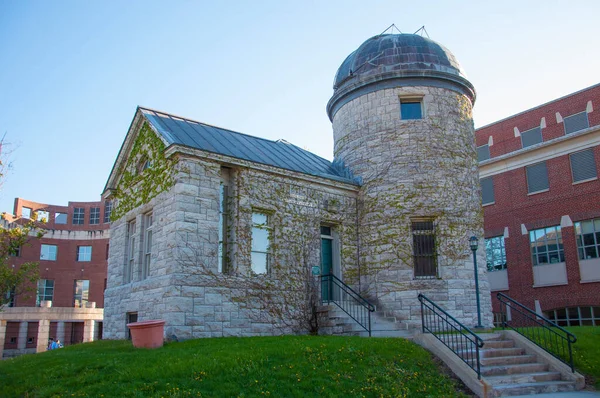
<point>568,394</point>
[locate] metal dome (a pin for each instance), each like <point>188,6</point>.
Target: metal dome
<point>392,57</point>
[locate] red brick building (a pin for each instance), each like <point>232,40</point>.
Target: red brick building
<point>72,256</point>
<point>540,189</point>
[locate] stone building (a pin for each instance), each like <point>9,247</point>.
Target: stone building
<point>218,233</point>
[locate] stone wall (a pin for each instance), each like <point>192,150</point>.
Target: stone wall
<point>415,169</point>
<point>185,287</point>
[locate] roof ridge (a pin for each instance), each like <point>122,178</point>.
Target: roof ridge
<point>187,119</point>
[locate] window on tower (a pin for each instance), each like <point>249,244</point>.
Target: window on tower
<point>411,108</point>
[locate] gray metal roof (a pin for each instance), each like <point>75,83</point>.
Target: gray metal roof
<point>280,153</point>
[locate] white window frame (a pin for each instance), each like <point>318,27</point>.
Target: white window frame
<point>47,254</point>
<point>263,226</point>
<point>84,253</point>
<point>148,228</point>
<point>42,291</point>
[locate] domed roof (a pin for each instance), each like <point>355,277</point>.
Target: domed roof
<point>397,56</point>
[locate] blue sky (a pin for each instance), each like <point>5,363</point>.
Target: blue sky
<point>73,72</point>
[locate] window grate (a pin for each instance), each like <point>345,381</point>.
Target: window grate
<point>583,165</point>
<point>483,153</point>
<point>424,249</point>
<point>531,137</point>
<point>487,190</point>
<point>537,177</point>
<point>576,122</point>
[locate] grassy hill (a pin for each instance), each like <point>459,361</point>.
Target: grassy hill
<point>288,366</point>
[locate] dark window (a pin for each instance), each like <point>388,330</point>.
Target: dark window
<point>78,215</point>
<point>537,177</point>
<point>531,137</point>
<point>10,297</point>
<point>487,190</point>
<point>483,153</point>
<point>411,109</point>
<point>576,122</point>
<point>424,249</point>
<point>575,316</point>
<point>14,251</point>
<point>107,210</point>
<point>583,165</point>
<point>131,317</point>
<point>495,253</point>
<point>588,238</point>
<point>95,215</point>
<point>546,246</point>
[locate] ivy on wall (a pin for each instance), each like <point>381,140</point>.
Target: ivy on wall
<point>146,173</point>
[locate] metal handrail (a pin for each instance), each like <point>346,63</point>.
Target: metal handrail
<point>452,333</point>
<point>540,330</point>
<point>348,300</point>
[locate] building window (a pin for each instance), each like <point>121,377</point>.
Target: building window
<point>130,261</point>
<point>148,221</point>
<point>48,252</point>
<point>583,165</point>
<point>487,190</point>
<point>42,216</point>
<point>14,251</point>
<point>531,137</point>
<point>576,122</point>
<point>10,297</point>
<point>84,253</point>
<point>26,212</point>
<point>483,153</point>
<point>496,253</point>
<point>260,243</point>
<point>60,218</point>
<point>95,215</point>
<point>78,215</point>
<point>45,291</point>
<point>424,249</point>
<point>411,109</point>
<point>107,210</point>
<point>537,178</point>
<point>81,293</point>
<point>575,316</point>
<point>223,224</point>
<point>546,246</point>
<point>588,238</point>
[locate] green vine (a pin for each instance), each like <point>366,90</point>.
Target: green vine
<point>146,174</point>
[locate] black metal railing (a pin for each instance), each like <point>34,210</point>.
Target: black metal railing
<point>538,329</point>
<point>333,290</point>
<point>457,337</point>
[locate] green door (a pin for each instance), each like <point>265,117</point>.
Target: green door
<point>326,268</point>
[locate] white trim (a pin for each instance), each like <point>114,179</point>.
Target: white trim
<point>582,181</point>
<point>524,230</point>
<point>543,123</point>
<point>559,118</point>
<point>589,108</point>
<point>560,146</point>
<point>517,132</point>
<point>565,221</point>
<point>536,192</point>
<point>491,141</point>
<point>506,232</point>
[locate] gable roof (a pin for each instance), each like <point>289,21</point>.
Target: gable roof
<point>190,133</point>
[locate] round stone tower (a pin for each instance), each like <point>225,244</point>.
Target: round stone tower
<point>402,124</point>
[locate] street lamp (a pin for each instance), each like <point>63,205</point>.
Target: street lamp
<point>474,243</point>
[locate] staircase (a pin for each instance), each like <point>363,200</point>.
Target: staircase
<point>511,369</point>
<point>339,323</point>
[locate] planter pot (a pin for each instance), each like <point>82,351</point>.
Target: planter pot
<point>147,334</point>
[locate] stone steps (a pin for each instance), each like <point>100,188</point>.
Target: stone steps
<point>511,371</point>
<point>381,326</point>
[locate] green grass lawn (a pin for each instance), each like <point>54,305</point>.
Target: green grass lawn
<point>289,366</point>
<point>586,352</point>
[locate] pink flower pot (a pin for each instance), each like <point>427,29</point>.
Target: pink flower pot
<point>147,334</point>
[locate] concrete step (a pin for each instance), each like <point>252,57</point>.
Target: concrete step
<point>499,344</point>
<point>500,352</point>
<point>522,378</point>
<point>508,360</point>
<point>504,390</point>
<point>513,369</point>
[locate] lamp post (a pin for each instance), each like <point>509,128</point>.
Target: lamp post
<point>474,243</point>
